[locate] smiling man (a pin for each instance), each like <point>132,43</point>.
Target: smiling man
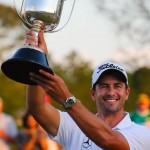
<point>77,128</point>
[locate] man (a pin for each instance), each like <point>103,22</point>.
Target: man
<point>8,129</point>
<point>78,128</point>
<point>142,113</point>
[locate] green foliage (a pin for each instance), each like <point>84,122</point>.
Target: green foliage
<point>8,17</point>
<point>77,74</point>
<point>11,30</point>
<point>139,82</point>
<point>141,77</point>
<point>13,94</point>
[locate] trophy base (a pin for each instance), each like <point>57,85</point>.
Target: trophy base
<point>23,62</point>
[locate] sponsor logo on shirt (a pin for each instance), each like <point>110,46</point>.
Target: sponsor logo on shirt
<point>87,143</point>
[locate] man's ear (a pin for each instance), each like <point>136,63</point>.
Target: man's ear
<point>92,93</point>
<point>127,93</point>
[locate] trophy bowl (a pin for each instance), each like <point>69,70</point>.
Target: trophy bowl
<point>36,15</point>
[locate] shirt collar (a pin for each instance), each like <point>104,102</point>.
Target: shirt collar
<point>124,123</point>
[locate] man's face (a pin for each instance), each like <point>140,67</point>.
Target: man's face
<point>110,94</point>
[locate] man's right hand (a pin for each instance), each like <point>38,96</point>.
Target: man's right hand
<point>31,40</point>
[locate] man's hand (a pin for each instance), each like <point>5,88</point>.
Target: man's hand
<point>52,84</point>
<point>31,40</point>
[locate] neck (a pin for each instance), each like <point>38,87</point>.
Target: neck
<point>109,119</point>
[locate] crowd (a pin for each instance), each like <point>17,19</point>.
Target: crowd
<point>31,136</point>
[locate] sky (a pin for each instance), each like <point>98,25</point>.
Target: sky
<point>88,33</point>
<point>93,36</point>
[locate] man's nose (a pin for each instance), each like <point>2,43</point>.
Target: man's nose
<point>110,91</point>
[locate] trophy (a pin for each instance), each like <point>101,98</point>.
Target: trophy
<point>37,15</point>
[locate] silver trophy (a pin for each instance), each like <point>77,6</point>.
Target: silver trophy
<point>37,15</point>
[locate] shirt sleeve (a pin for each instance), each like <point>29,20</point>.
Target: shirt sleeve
<point>66,129</point>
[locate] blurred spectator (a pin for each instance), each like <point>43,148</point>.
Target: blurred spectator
<point>52,145</point>
<point>33,137</point>
<point>30,136</point>
<point>8,129</point>
<point>142,113</point>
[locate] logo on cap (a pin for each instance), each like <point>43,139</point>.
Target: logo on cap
<point>112,66</point>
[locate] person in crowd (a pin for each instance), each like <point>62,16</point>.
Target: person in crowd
<point>77,128</point>
<point>8,128</point>
<point>142,113</point>
<point>31,136</point>
<point>52,145</point>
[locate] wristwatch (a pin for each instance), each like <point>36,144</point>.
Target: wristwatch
<point>69,102</point>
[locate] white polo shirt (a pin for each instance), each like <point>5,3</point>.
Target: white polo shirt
<point>72,138</point>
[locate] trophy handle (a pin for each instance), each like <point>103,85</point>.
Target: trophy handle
<point>37,25</point>
<point>67,19</point>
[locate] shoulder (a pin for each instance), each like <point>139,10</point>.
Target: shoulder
<point>137,136</point>
<point>136,129</point>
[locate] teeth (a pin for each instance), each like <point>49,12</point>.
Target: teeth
<point>111,100</point>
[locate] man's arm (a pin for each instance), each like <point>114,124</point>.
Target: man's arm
<point>44,113</point>
<point>99,132</point>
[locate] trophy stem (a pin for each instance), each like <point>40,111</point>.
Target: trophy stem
<point>37,27</point>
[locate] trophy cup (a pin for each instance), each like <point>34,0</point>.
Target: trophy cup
<point>36,15</point>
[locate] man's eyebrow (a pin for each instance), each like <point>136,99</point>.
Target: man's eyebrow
<point>102,83</point>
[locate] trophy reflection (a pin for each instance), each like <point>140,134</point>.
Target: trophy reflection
<point>37,15</point>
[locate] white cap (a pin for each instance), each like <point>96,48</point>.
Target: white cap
<point>106,66</point>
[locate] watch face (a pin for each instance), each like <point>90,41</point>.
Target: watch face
<point>70,102</point>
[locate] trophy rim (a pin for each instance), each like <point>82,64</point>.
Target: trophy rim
<point>15,69</point>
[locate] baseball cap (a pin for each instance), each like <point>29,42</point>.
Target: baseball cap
<point>107,66</point>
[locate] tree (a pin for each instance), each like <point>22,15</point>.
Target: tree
<point>139,82</point>
<point>132,18</point>
<point>11,36</point>
<point>77,74</point>
<point>11,33</point>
